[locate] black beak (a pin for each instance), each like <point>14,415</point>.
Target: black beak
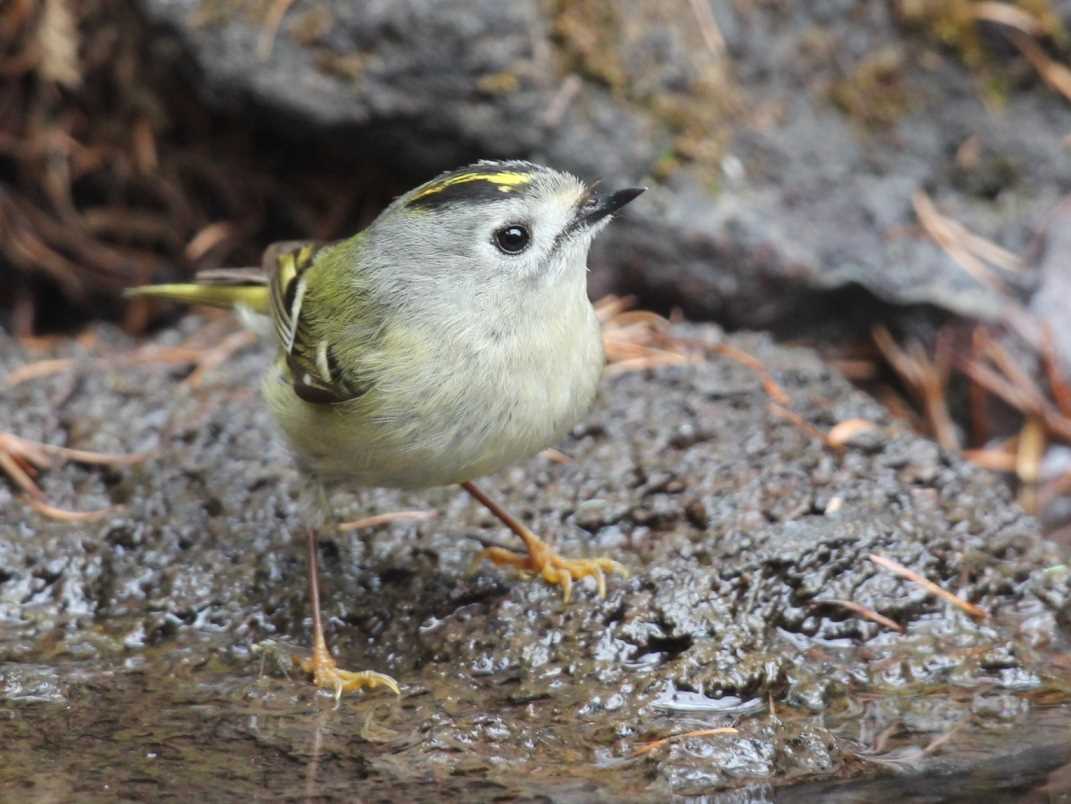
<point>598,206</point>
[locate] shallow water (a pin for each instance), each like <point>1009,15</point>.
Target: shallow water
<point>197,721</point>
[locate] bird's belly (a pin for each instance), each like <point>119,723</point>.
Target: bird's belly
<point>433,427</point>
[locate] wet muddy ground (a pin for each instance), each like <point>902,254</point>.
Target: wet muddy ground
<point>142,656</point>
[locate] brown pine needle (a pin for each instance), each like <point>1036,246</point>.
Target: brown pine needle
<point>19,475</point>
<point>1032,444</point>
<point>20,459</point>
<point>940,740</point>
<point>926,377</point>
<point>967,249</point>
<point>708,27</point>
<point>632,334</point>
<point>1019,398</point>
<point>219,354</point>
<point>205,356</point>
<point>640,339</point>
<point>609,306</point>
<point>38,369</point>
<point>971,610</point>
<point>207,238</point>
<point>63,515</point>
<point>387,519</point>
<point>651,360</point>
<point>98,458</point>
<point>274,19</point>
<point>1012,368</point>
<point>993,367</point>
<point>1054,489</point>
<point>769,385</point>
<point>647,748</point>
<point>841,434</point>
<point>937,227</point>
<point>556,456</point>
<point>1054,74</point>
<point>1059,384</point>
<point>804,425</point>
<point>993,459</point>
<point>1007,14</point>
<point>862,611</point>
<point>636,340</point>
<point>856,369</point>
<point>57,43</point>
<point>37,453</point>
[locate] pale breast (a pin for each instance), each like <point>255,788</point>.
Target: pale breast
<point>454,411</point>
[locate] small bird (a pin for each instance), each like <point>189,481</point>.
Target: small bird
<point>450,338</point>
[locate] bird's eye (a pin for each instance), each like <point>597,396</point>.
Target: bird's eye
<point>592,200</point>
<point>512,239</point>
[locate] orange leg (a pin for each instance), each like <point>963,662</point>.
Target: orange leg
<point>542,559</point>
<point>321,665</point>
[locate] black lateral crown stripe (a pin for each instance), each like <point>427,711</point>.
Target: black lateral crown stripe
<point>488,181</point>
<point>478,191</point>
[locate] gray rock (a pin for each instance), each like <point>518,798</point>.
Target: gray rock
<point>778,177</point>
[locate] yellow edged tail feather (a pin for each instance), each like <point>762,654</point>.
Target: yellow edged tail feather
<point>255,297</point>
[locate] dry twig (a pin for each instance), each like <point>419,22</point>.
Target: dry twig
<point>653,745</point>
<point>217,355</point>
<point>57,44</point>
<point>842,433</point>
<point>1054,74</point>
<point>970,251</point>
<point>992,367</point>
<point>638,339</point>
<point>22,459</point>
<point>1007,14</point>
<point>556,456</point>
<point>271,28</point>
<point>1032,442</point>
<point>862,611</point>
<point>997,458</point>
<point>63,515</point>
<point>386,519</point>
<point>1059,385</point>
<point>708,27</point>
<point>37,370</point>
<point>205,350</point>
<point>926,378</point>
<point>789,415</point>
<point>971,610</point>
<point>635,340</point>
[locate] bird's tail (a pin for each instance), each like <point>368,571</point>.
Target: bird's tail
<point>223,288</point>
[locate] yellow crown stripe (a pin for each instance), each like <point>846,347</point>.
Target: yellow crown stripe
<point>506,181</point>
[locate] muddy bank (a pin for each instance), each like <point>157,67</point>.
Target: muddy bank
<point>138,653</point>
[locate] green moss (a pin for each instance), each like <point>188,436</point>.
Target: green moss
<point>221,12</point>
<point>347,66</point>
<point>955,23</point>
<point>596,39</point>
<point>588,33</point>
<point>311,26</point>
<point>875,93</point>
<point>501,83</point>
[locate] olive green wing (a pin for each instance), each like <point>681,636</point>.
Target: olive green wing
<point>308,320</point>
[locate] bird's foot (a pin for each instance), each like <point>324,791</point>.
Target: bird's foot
<point>556,570</point>
<point>327,675</point>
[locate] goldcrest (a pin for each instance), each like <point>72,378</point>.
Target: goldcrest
<point>452,337</point>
